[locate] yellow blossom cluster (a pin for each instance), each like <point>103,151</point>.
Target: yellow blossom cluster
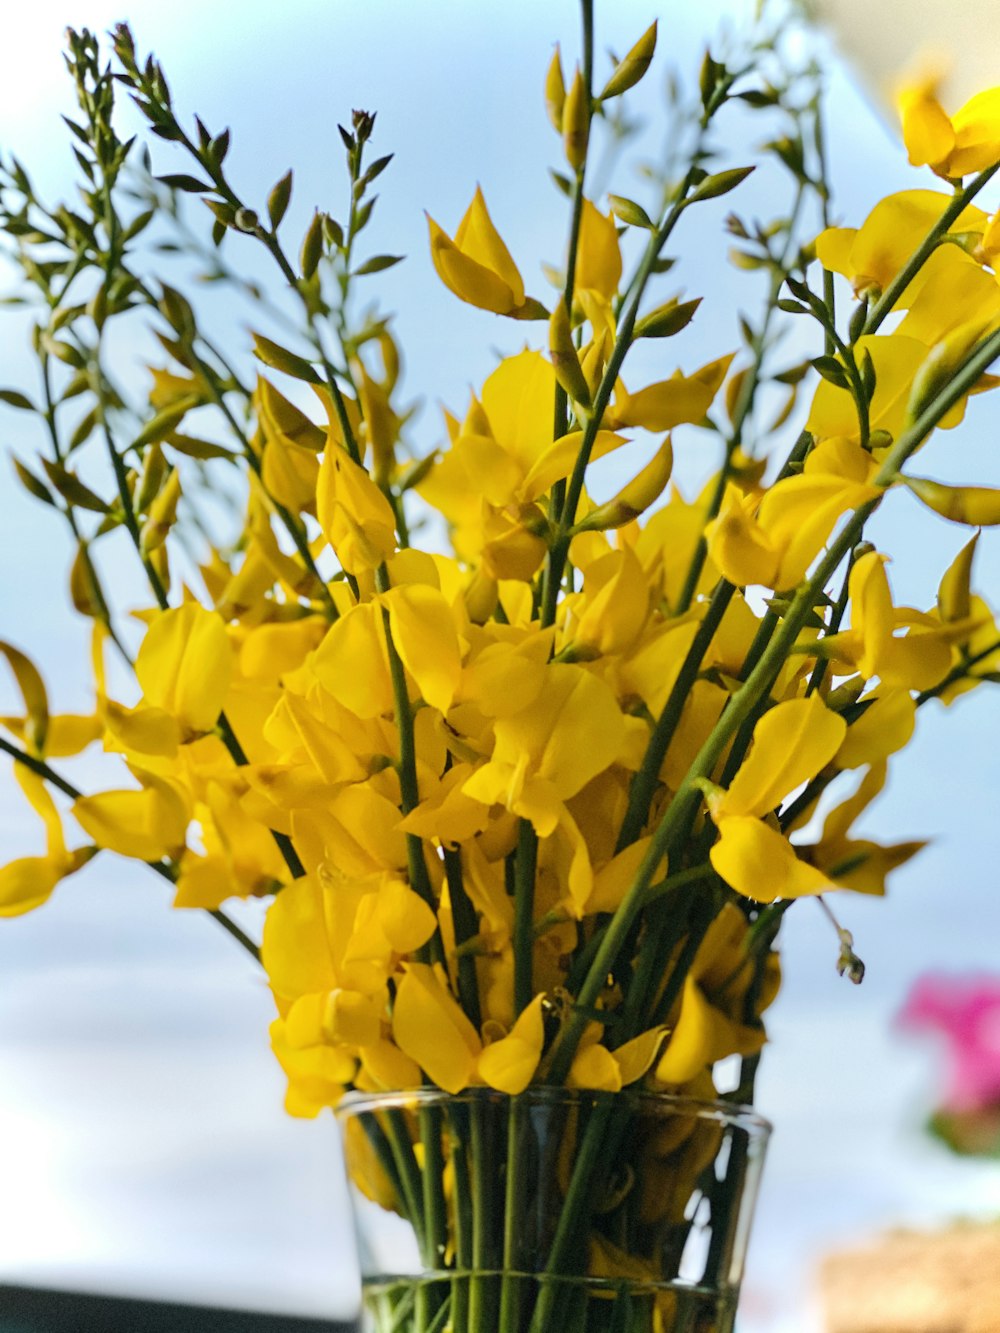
<point>521,810</point>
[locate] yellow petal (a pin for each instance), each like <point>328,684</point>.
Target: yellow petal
<point>479,239</point>
<point>429,1027</point>
<point>388,1068</point>
<point>759,863</point>
<point>26,883</point>
<point>927,131</point>
<point>833,249</point>
<point>599,259</point>
<point>509,1064</point>
<point>32,688</point>
<point>469,281</point>
<point>595,1067</point>
<point>791,743</point>
<point>356,518</point>
<point>69,733</point>
<point>426,638</point>
<point>352,662</point>
<point>698,1040</point>
<point>740,548</point>
<point>145,730</point>
<point>148,824</point>
<point>884,727</point>
<point>185,664</point>
<point>404,916</point>
<point>635,1057</point>
<point>295,949</point>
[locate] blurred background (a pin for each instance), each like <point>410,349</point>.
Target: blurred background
<point>143,1148</point>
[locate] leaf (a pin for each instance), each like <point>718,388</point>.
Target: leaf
<point>831,370</point>
<point>629,211</point>
<point>667,320</point>
<point>160,426</point>
<point>377,264</point>
<point>72,489</point>
<point>278,200</point>
<point>32,484</point>
<point>376,168</point>
<point>712,187</point>
<point>189,184</point>
<point>280,358</point>
<point>15,399</point>
<point>195,448</point>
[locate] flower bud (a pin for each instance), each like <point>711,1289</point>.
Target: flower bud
<point>565,360</point>
<point>576,122</point>
<point>630,70</point>
<point>555,92</point>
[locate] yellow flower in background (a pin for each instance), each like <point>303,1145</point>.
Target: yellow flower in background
<point>952,146</point>
<point>148,824</point>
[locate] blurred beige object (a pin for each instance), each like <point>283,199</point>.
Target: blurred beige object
<point>884,39</point>
<point>916,1282</point>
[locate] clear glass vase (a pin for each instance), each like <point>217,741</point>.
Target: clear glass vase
<point>556,1211</point>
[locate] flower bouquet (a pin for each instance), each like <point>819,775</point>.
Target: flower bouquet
<point>528,796</point>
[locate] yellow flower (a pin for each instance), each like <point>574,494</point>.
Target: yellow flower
<point>791,743</point>
<point>356,518</point>
<point>776,545</point>
<point>953,146</point>
<point>509,1063</point>
<point>871,255</point>
<point>28,881</point>
<point>915,661</point>
<point>185,665</point>
<point>148,824</point>
<point>429,1026</point>
<point>896,359</point>
<point>477,266</point>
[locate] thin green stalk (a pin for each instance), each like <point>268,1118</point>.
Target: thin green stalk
<point>407,769</point>
<point>483,1294</point>
<point>647,779</point>
<point>466,924</point>
<point>460,1151</point>
<point>513,1217</point>
<point>435,1213</point>
<point>525,865</point>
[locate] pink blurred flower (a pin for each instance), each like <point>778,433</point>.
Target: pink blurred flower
<point>967,1011</point>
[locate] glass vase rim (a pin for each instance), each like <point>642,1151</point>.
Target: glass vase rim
<point>740,1114</point>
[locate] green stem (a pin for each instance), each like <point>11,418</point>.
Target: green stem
<point>466,923</point>
<point>407,769</point>
<point>525,864</point>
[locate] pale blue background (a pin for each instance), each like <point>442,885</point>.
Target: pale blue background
<point>142,1144</point>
